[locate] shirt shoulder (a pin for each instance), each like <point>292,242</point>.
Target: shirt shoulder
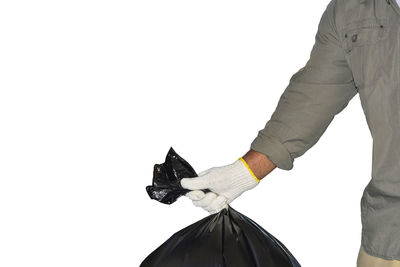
<point>344,12</point>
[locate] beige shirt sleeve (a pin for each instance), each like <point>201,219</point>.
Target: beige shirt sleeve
<point>315,94</point>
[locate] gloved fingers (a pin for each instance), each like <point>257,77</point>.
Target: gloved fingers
<point>195,195</point>
<point>206,200</point>
<point>217,205</point>
<point>214,211</point>
<point>203,173</point>
<point>201,182</point>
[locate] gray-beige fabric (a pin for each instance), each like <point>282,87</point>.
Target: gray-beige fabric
<point>356,51</point>
<point>366,260</point>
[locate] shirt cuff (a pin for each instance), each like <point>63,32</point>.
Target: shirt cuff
<point>274,150</point>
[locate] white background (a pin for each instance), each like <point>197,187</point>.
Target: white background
<point>93,93</point>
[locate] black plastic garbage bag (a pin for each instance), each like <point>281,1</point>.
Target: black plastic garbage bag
<point>225,239</point>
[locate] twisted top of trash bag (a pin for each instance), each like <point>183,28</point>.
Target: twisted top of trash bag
<point>166,187</point>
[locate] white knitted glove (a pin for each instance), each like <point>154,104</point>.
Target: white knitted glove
<point>226,183</point>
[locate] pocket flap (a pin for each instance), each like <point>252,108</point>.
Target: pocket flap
<point>365,32</point>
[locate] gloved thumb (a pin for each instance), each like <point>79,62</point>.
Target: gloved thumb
<point>195,195</point>
<point>197,183</point>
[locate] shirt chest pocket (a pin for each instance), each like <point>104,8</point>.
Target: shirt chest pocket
<point>364,43</point>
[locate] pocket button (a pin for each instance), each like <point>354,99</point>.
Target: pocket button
<point>354,38</point>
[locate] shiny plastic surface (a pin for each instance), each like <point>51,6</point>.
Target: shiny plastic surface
<point>166,187</point>
<point>225,239</point>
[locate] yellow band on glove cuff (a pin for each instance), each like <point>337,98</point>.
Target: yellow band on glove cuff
<point>248,167</point>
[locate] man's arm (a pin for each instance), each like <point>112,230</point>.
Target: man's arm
<point>315,94</point>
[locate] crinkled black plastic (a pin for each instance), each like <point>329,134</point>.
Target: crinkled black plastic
<point>225,239</point>
<point>166,187</point>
